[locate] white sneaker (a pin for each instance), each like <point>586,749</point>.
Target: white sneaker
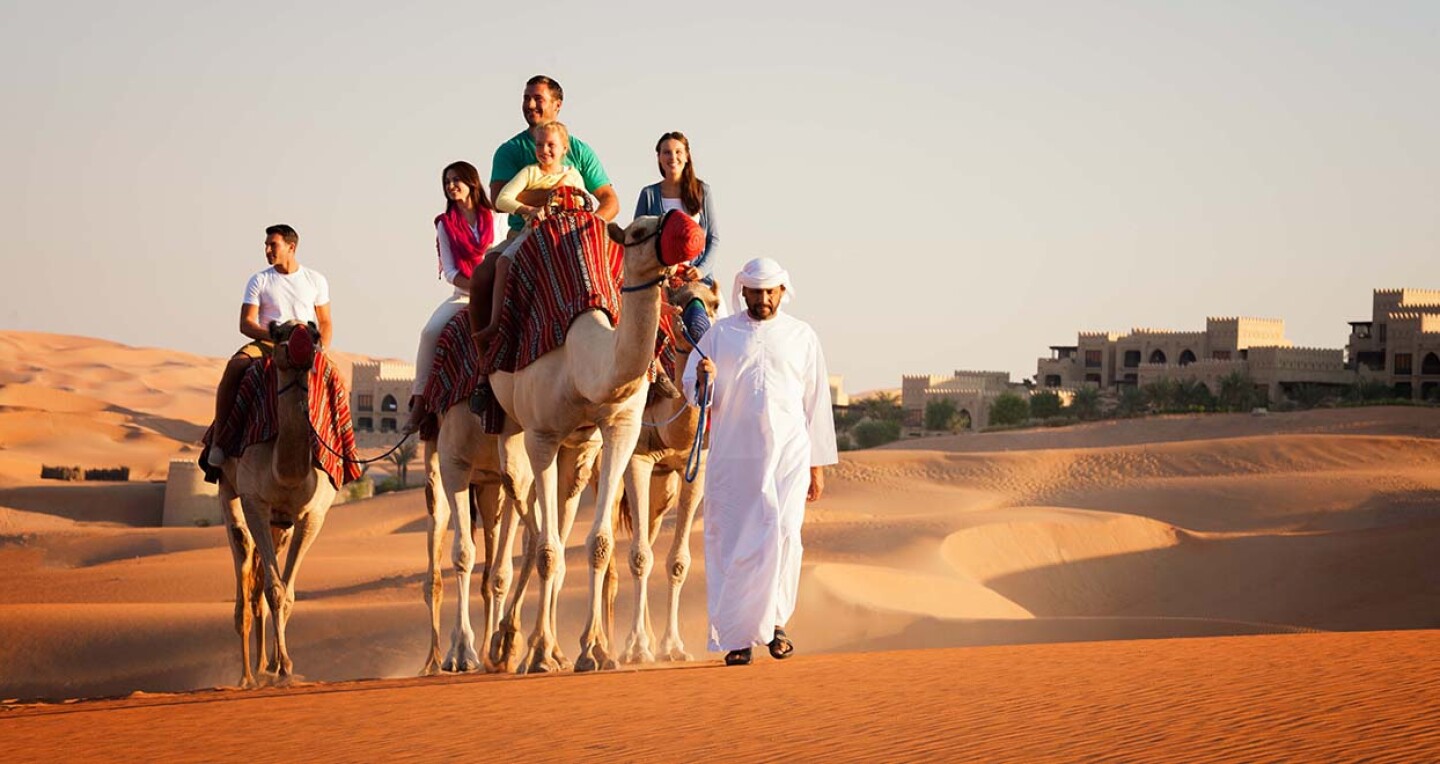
<point>216,458</point>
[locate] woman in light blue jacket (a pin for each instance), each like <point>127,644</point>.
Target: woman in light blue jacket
<point>679,189</point>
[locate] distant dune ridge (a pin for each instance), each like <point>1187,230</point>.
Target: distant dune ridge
<point>1188,526</point>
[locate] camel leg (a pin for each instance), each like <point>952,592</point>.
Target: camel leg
<point>671,647</point>
<point>542,451</point>
<point>257,519</point>
<point>637,490</point>
<point>242,549</point>
<point>619,436</point>
<point>515,507</point>
<point>280,538</point>
<point>307,529</point>
<point>486,499</point>
<point>438,511</point>
<point>455,482</point>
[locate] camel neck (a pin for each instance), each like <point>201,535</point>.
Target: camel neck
<point>292,459</point>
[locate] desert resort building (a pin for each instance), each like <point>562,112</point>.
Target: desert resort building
<point>380,392</point>
<point>1398,347</point>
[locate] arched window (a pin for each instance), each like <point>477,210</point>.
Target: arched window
<point>1186,357</point>
<point>388,403</point>
<point>1431,364</point>
<point>1052,380</point>
<point>1157,357</point>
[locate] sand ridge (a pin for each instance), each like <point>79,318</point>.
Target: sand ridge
<point>1174,527</point>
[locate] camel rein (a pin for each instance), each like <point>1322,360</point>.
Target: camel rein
<point>302,383</point>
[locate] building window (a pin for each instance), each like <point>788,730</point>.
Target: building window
<point>364,424</point>
<point>1132,359</point>
<point>388,403</point>
<point>1093,378</point>
<point>1431,364</point>
<point>1092,359</point>
<point>1402,363</point>
<point>1220,355</point>
<point>366,402</point>
<point>1186,357</point>
<point>1052,380</point>
<point>1157,357</point>
<point>387,424</point>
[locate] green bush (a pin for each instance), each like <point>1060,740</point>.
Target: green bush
<point>870,433</point>
<point>1009,408</point>
<point>1131,402</point>
<point>1044,405</point>
<point>941,415</point>
<point>387,485</point>
<point>1086,403</point>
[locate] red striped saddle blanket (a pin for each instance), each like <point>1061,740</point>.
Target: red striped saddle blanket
<point>566,267</point>
<point>454,373</point>
<point>253,420</point>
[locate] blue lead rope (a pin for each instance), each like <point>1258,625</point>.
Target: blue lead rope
<point>705,392</point>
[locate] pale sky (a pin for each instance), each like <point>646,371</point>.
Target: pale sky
<point>954,185</point>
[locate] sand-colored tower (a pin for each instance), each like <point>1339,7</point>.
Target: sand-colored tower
<point>189,500</point>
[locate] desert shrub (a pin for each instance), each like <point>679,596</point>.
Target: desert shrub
<point>1239,393</point>
<point>1009,408</point>
<point>387,485</point>
<point>1086,403</point>
<point>1161,394</point>
<point>1130,402</point>
<point>363,488</point>
<point>60,473</point>
<point>1193,395</point>
<point>870,433</point>
<point>843,442</point>
<point>941,415</point>
<point>1044,405</point>
<point>1368,390</point>
<point>116,474</point>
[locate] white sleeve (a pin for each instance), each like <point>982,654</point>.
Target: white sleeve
<point>252,291</point>
<point>448,269</point>
<point>818,413</point>
<point>322,289</point>
<point>508,198</point>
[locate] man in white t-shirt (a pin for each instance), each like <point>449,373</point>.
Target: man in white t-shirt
<point>285,291</point>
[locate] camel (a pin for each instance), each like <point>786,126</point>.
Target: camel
<point>658,461</point>
<point>464,462</point>
<point>596,379</point>
<point>272,488</point>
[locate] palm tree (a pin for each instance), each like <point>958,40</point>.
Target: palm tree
<point>401,458</point>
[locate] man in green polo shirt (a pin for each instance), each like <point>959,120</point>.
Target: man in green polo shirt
<point>543,98</point>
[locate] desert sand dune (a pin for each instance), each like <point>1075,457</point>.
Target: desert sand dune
<point>1173,527</point>
<point>1305,697</point>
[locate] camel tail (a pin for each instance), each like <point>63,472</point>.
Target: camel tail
<point>622,517</point>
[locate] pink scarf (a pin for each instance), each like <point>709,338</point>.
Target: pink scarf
<point>468,248</point>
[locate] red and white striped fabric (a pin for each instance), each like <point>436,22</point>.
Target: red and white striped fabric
<point>566,267</point>
<point>253,419</point>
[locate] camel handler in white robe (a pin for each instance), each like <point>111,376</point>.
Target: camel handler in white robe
<point>771,435</point>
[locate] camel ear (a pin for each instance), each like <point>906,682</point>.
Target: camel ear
<point>274,330</point>
<point>617,234</point>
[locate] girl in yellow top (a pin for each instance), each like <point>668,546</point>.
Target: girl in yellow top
<point>548,173</point>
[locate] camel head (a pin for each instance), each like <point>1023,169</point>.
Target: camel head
<point>296,344</point>
<point>698,303</point>
<point>658,243</point>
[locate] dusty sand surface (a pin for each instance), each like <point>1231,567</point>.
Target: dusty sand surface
<point>1283,525</point>
<point>1313,697</point>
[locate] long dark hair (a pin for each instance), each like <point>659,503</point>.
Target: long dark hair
<point>692,194</point>
<point>470,177</point>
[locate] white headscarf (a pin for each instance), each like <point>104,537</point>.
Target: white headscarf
<point>761,273</point>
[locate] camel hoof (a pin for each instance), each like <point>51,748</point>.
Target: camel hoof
<point>584,663</point>
<point>249,683</point>
<point>609,665</point>
<point>638,655</point>
<point>677,655</point>
<point>432,667</point>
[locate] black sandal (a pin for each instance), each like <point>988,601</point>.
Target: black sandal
<point>738,657</point>
<point>781,647</point>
